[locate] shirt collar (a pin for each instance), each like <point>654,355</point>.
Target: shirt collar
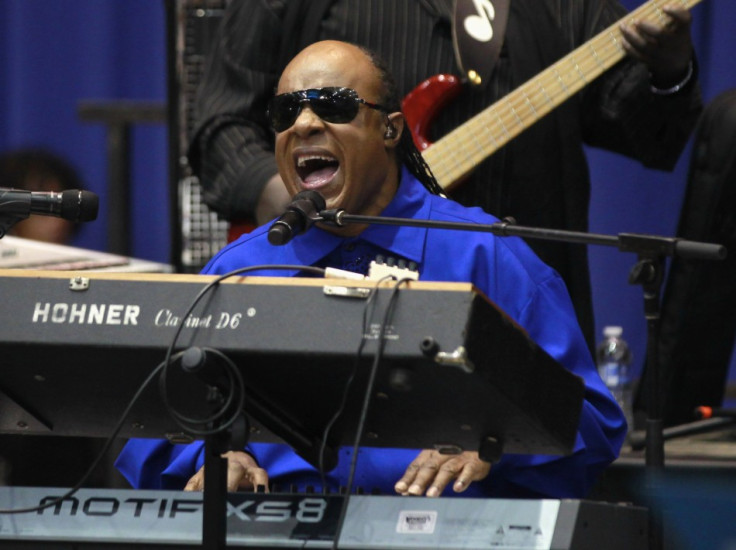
<point>408,242</point>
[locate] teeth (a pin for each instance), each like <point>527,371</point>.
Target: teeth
<point>302,161</point>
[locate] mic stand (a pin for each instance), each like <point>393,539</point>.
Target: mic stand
<point>12,211</point>
<point>221,437</point>
<point>647,272</point>
<point>216,442</point>
<point>8,220</point>
<point>214,505</point>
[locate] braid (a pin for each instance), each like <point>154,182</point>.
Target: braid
<point>410,156</point>
<point>407,152</point>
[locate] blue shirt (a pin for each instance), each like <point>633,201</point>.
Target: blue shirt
<point>503,268</point>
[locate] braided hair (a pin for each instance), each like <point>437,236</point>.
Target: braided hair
<point>407,152</point>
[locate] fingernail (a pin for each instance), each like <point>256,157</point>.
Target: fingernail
<point>433,492</point>
<point>415,489</point>
<point>459,486</point>
<point>400,487</point>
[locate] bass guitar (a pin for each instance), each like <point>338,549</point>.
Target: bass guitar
<point>457,153</point>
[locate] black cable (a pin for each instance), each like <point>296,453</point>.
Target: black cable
<point>346,390</point>
<point>388,314</point>
<point>100,455</point>
<point>183,421</point>
<point>234,375</point>
<point>162,369</point>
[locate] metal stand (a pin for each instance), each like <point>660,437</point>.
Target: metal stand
<point>218,440</point>
<point>214,513</point>
<point>119,116</point>
<point>647,272</point>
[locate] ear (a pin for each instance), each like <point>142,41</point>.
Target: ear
<point>394,128</point>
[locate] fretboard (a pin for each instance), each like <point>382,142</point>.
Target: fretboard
<point>460,151</point>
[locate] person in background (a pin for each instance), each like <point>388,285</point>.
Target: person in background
<point>24,460</point>
<point>644,107</point>
<point>340,132</point>
<point>37,169</point>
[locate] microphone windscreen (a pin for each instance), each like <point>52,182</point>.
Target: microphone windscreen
<point>297,218</point>
<point>279,233</point>
<point>79,206</point>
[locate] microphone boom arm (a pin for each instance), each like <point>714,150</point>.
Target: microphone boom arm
<point>626,242</point>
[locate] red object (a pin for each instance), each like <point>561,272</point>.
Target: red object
<point>237,228</point>
<point>421,105</point>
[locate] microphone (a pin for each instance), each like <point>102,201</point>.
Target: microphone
<point>73,204</point>
<point>299,216</point>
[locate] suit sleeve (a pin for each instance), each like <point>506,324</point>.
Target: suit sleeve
<point>623,115</point>
<point>232,147</point>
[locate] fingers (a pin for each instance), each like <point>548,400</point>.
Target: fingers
<point>679,17</point>
<point>196,482</point>
<point>665,48</point>
<point>420,474</point>
<point>243,473</point>
<point>652,32</point>
<point>646,36</point>
<point>431,472</point>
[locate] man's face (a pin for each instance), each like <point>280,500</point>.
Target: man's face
<point>350,164</point>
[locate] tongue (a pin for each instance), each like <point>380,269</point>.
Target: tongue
<point>320,176</point>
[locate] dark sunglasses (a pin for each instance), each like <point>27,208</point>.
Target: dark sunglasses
<point>336,105</point>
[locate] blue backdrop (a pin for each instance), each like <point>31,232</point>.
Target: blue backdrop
<point>54,53</point>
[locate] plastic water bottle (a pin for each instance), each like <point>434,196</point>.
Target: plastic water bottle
<point>614,366</point>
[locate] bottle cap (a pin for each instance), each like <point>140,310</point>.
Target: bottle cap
<point>613,331</point>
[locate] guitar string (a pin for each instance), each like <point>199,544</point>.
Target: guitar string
<point>530,98</point>
<point>533,99</point>
<point>556,77</point>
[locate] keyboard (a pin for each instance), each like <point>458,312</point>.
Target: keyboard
<point>77,346</point>
<point>257,520</point>
<point>19,253</point>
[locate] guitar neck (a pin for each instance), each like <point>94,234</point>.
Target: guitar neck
<point>456,154</point>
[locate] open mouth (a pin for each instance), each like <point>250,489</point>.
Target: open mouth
<point>316,170</point>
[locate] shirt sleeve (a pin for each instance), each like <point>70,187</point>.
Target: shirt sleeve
<point>551,323</point>
<point>534,296</point>
<point>157,464</point>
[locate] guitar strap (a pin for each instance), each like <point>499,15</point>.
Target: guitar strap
<point>478,30</point>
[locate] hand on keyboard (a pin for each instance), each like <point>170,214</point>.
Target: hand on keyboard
<point>243,473</point>
<point>430,472</point>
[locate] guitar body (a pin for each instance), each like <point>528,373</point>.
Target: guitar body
<point>421,105</point>
<point>237,228</point>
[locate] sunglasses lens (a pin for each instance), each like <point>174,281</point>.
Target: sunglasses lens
<point>283,110</point>
<point>337,108</point>
<point>333,105</point>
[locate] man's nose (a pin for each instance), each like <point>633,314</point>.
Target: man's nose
<point>307,120</point>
